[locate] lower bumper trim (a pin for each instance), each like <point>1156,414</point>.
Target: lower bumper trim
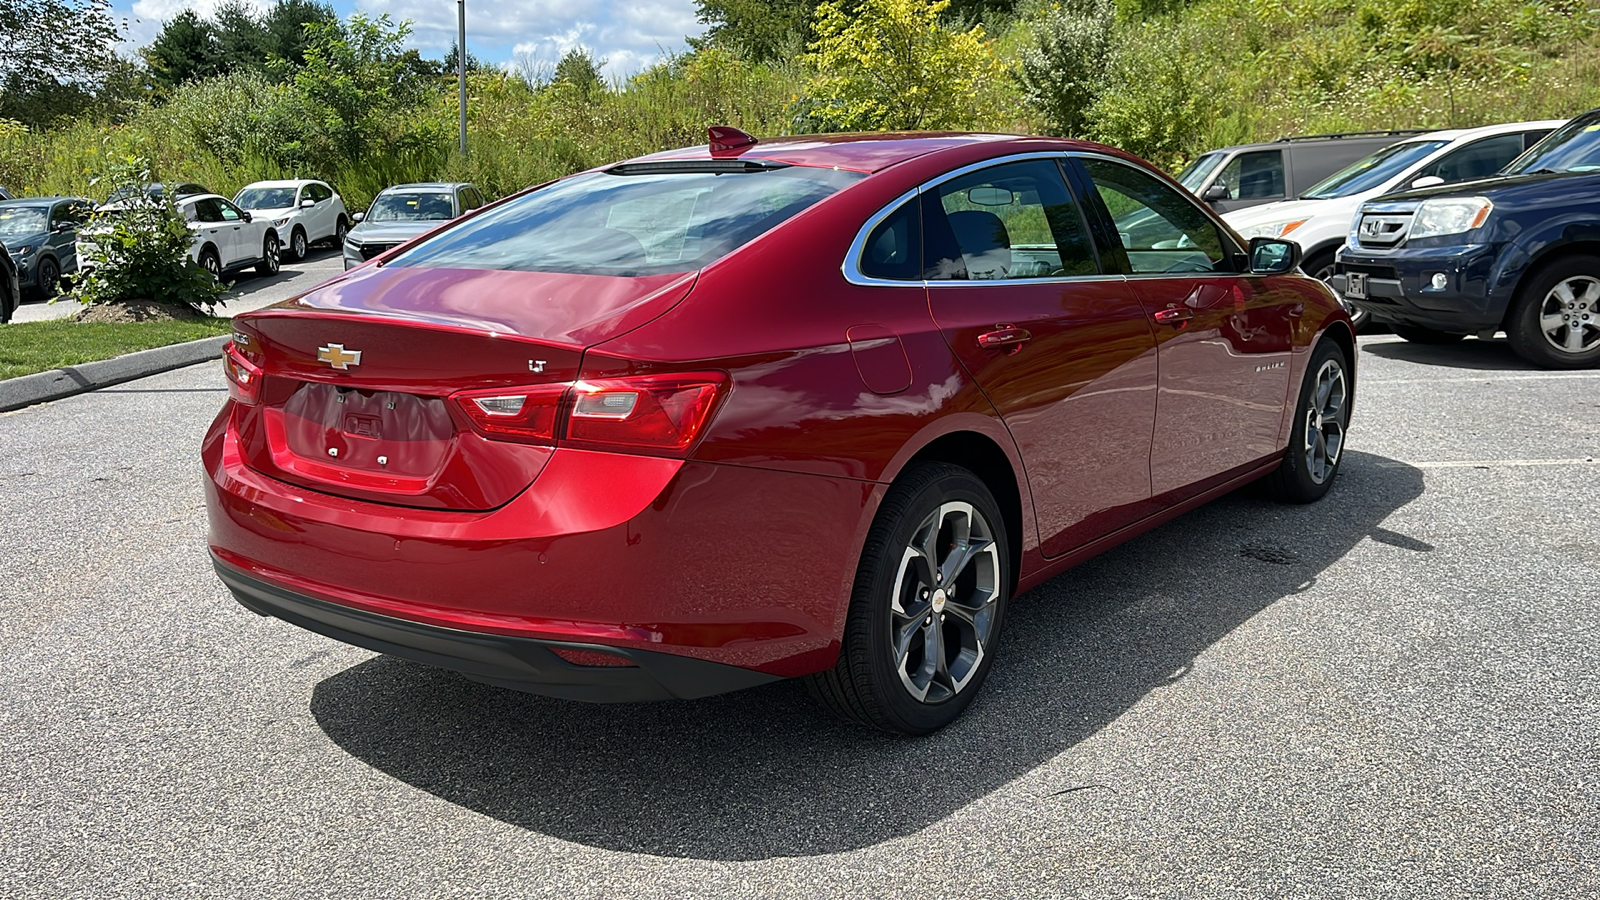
<point>523,664</point>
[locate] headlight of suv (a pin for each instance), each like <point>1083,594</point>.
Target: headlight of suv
<point>22,251</point>
<point>1273,229</point>
<point>1449,215</point>
<point>279,223</point>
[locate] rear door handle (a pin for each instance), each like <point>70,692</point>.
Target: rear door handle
<point>1174,314</point>
<point>1005,336</point>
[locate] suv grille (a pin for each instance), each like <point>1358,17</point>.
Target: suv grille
<point>368,251</point>
<point>1382,230</point>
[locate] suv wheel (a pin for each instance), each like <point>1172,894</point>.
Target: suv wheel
<point>1417,334</point>
<point>49,278</point>
<point>297,243</point>
<point>1556,322</point>
<point>211,262</point>
<point>927,606</point>
<point>269,256</point>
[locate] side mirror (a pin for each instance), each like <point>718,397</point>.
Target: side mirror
<point>63,227</point>
<point>1217,191</point>
<point>1270,256</point>
<point>307,204</point>
<point>358,217</point>
<point>1427,181</point>
<point>245,213</point>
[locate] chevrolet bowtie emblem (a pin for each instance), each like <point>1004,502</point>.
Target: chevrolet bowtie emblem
<point>337,356</point>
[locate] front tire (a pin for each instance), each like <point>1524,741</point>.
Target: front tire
<point>929,599</point>
<point>211,262</point>
<point>1417,334</point>
<point>297,244</point>
<point>1321,418</point>
<point>1556,322</point>
<point>49,278</point>
<point>339,233</point>
<point>270,251</point>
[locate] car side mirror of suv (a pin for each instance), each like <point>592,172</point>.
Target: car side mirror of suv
<point>1427,181</point>
<point>63,227</point>
<point>307,204</point>
<point>358,217</point>
<point>1217,191</point>
<point>1270,256</point>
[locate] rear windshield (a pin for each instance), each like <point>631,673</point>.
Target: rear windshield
<point>1373,171</point>
<point>629,224</point>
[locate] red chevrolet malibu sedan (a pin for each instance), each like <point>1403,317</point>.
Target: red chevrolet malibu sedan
<point>806,407</point>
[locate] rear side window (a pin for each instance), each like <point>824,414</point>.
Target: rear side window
<point>894,249</point>
<point>655,222</point>
<point>1257,175</point>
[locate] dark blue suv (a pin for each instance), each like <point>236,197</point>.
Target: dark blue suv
<point>1519,253</point>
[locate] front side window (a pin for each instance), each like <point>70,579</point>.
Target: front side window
<point>1160,230</point>
<point>1257,175</point>
<point>1014,220</point>
<point>630,222</point>
<point>229,214</point>
<point>207,210</point>
<point>1195,173</point>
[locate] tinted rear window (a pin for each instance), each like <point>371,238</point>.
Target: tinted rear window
<point>630,225</point>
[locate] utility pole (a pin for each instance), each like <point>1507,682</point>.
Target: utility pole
<point>461,67</point>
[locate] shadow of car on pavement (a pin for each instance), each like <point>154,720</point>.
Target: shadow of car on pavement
<point>1471,353</point>
<point>766,773</point>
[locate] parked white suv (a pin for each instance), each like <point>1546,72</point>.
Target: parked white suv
<point>225,237</point>
<point>302,211</point>
<point>1319,219</point>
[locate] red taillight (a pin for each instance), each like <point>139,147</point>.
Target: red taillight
<point>244,379</point>
<point>655,414</point>
<point>527,415</point>
<point>660,415</point>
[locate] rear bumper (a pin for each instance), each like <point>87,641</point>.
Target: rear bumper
<point>1400,286</point>
<point>523,664</point>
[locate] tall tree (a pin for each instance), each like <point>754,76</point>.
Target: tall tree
<point>186,49</point>
<point>758,30</point>
<point>285,24</point>
<point>53,57</point>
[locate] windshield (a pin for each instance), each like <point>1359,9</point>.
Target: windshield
<point>630,225</point>
<point>1372,172</point>
<point>1195,173</point>
<point>412,206</point>
<point>265,198</point>
<point>24,219</point>
<point>1574,147</point>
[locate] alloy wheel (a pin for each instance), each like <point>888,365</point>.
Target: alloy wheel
<point>1569,317</point>
<point>213,265</point>
<point>943,606</point>
<point>299,245</point>
<point>1324,424</point>
<point>49,277</point>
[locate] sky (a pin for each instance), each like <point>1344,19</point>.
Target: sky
<point>534,33</point>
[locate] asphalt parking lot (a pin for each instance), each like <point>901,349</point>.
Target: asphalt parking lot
<point>248,291</point>
<point>1392,693</point>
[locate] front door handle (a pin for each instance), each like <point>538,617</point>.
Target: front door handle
<point>1004,336</point>
<point>1174,314</point>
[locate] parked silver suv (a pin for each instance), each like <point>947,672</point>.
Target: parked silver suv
<point>403,212</point>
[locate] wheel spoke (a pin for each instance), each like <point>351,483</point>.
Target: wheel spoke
<point>1574,342</point>
<point>1564,291</point>
<point>1550,323</point>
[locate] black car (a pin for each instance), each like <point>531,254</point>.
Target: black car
<point>10,293</point>
<point>1518,253</point>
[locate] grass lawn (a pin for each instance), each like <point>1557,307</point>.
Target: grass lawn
<point>39,346</point>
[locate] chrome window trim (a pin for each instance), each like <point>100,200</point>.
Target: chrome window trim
<point>852,268</point>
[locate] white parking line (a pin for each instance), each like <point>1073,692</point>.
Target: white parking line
<point>1486,378</point>
<point>1487,463</point>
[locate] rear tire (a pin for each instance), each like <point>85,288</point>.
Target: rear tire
<point>1417,334</point>
<point>1556,322</point>
<point>928,603</point>
<point>269,264</point>
<point>1321,418</point>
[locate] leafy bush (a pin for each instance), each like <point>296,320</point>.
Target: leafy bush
<point>893,65</point>
<point>1067,68</point>
<point>140,251</point>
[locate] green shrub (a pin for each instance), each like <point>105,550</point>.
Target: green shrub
<point>140,251</point>
<point>1067,68</point>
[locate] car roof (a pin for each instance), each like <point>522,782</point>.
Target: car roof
<point>427,186</point>
<point>42,201</point>
<point>854,152</point>
<point>1314,139</point>
<point>1457,134</point>
<point>283,183</point>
